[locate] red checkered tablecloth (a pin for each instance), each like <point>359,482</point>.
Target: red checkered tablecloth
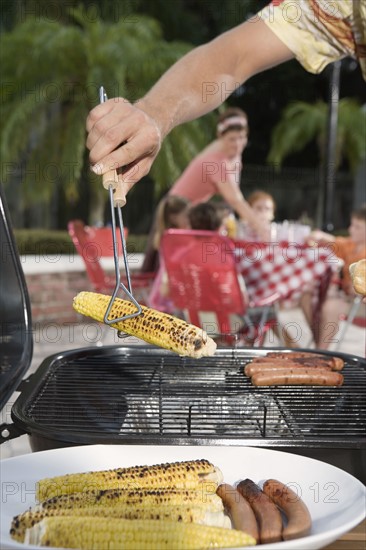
<point>287,269</point>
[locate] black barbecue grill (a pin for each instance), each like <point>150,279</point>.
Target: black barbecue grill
<point>141,394</point>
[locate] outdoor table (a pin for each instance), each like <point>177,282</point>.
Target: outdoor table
<point>288,269</point>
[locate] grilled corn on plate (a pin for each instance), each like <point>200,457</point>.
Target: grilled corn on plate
<point>152,326</point>
<point>172,505</point>
<point>189,474</point>
<point>199,514</point>
<point>125,497</point>
<point>120,534</point>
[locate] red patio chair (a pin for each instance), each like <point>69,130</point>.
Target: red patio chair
<point>94,243</point>
<point>203,278</point>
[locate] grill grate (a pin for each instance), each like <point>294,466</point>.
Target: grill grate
<point>122,393</point>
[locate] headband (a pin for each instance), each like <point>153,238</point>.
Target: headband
<point>232,121</point>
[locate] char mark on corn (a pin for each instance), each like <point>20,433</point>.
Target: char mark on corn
<point>124,497</point>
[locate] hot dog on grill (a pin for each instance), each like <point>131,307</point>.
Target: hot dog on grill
<point>300,362</point>
<point>307,358</point>
<point>255,368</point>
<point>268,515</point>
<point>306,377</point>
<point>296,511</point>
<point>239,510</point>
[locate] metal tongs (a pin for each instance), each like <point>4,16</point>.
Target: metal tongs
<point>117,199</point>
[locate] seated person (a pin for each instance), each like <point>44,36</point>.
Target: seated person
<point>341,293</point>
<point>263,204</point>
<point>264,207</point>
<point>205,216</point>
<point>172,213</point>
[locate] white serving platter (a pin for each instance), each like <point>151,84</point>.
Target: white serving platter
<point>336,500</point>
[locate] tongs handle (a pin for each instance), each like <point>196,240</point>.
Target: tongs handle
<point>110,179</point>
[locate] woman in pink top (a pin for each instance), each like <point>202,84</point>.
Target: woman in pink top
<point>217,169</point>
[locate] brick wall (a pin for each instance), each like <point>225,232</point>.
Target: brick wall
<point>51,295</point>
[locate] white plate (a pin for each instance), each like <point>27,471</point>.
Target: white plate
<point>336,500</point>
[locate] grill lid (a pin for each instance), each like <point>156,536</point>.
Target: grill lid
<point>16,342</point>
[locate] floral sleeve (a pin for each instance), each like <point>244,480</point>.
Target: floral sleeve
<point>319,32</point>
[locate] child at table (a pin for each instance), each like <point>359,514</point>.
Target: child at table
<point>206,216</point>
<point>264,207</point>
<point>341,294</point>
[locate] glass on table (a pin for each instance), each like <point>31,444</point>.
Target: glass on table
<point>290,231</point>
<point>274,232</point>
<point>301,233</point>
<point>245,232</point>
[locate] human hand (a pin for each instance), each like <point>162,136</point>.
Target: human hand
<point>319,237</point>
<point>122,136</point>
<point>313,238</point>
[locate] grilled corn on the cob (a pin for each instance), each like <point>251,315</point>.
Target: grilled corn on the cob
<point>124,497</point>
<point>97,533</point>
<point>180,475</point>
<point>185,514</point>
<point>155,327</point>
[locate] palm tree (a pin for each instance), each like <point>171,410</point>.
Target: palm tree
<point>303,122</point>
<point>51,76</point>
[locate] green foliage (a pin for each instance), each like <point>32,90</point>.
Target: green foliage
<point>44,242</point>
<point>352,131</point>
<point>303,122</point>
<point>51,74</point>
<point>136,244</point>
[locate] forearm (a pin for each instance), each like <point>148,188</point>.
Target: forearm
<point>130,136</point>
<point>260,227</point>
<point>190,89</point>
<point>206,76</point>
<point>245,213</point>
<point>320,237</point>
